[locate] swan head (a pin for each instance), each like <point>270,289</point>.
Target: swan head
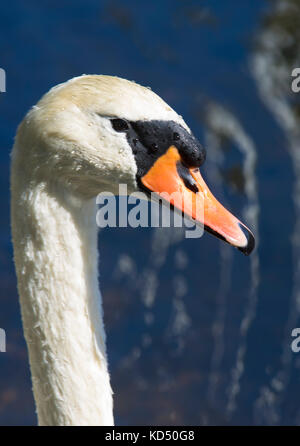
<point>93,133</point>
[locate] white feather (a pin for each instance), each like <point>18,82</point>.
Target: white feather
<point>65,153</point>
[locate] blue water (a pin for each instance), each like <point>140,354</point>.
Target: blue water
<point>160,353</point>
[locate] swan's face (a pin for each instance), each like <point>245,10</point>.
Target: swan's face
<point>95,132</point>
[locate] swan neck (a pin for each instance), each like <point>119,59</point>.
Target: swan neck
<point>55,250</point>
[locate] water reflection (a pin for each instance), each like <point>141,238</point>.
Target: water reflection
<point>224,126</point>
<point>276,54</point>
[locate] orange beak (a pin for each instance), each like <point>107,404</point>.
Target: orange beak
<point>169,178</point>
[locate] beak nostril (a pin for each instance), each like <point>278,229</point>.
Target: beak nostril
<point>250,241</point>
<point>186,177</point>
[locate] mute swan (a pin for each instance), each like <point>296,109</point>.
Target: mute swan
<point>85,136</point>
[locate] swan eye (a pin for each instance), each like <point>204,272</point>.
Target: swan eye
<point>119,125</point>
